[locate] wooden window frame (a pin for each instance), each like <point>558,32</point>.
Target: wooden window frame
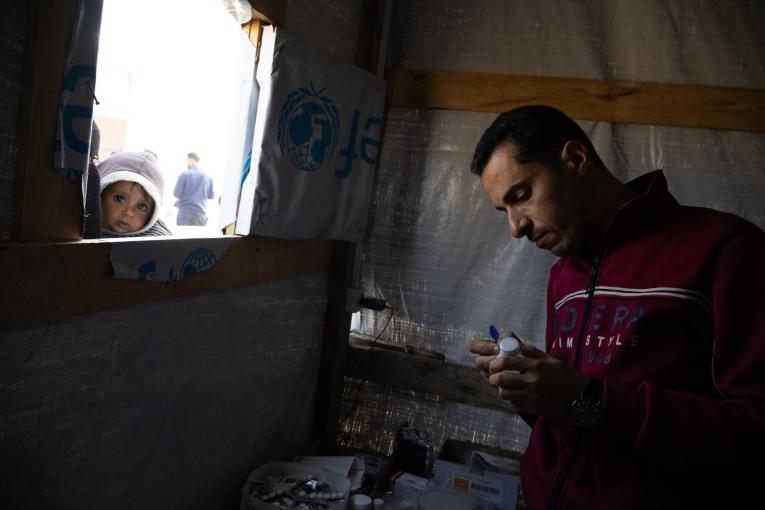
<point>50,272</point>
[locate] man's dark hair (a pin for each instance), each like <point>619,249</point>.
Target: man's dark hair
<point>193,155</point>
<point>538,133</point>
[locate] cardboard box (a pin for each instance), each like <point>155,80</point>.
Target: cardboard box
<point>406,486</point>
<point>494,491</point>
<point>480,462</point>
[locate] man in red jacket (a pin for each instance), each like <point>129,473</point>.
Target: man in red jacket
<point>652,391</point>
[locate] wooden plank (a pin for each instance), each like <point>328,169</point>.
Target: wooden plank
<point>383,46</point>
<point>421,374</point>
<point>47,207</point>
<point>270,11</point>
<point>254,29</point>
<point>330,383</point>
<point>329,386</point>
<point>46,283</point>
<point>663,104</point>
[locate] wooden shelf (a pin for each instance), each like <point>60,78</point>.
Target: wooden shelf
<point>419,373</point>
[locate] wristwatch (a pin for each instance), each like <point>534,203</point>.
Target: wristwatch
<point>586,410</point>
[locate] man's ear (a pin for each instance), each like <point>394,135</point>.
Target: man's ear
<point>575,157</point>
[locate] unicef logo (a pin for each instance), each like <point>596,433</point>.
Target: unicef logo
<point>197,261</point>
<point>308,128</point>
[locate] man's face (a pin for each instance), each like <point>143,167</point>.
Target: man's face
<point>125,207</point>
<point>190,162</point>
<point>542,204</point>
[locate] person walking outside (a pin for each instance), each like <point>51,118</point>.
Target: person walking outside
<point>193,189</point>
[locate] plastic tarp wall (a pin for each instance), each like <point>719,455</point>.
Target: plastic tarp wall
<point>165,405</point>
<point>13,24</point>
<point>332,25</point>
<point>436,248</point>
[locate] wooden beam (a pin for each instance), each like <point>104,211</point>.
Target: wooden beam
<point>46,283</point>
<point>329,386</point>
<point>383,46</point>
<point>663,104</point>
<point>47,207</point>
<point>410,372</point>
<point>254,29</point>
<point>337,325</point>
<point>270,11</point>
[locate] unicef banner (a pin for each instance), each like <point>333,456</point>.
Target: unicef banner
<point>75,113</point>
<point>143,258</point>
<point>315,145</point>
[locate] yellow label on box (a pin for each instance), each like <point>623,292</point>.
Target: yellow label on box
<point>461,484</point>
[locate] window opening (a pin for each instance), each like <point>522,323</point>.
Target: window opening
<point>166,83</point>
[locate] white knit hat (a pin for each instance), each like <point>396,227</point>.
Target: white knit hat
<point>138,167</point>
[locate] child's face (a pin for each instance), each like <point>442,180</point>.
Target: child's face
<point>125,207</point>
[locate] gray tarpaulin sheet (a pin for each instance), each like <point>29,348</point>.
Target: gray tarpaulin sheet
<point>163,405</point>
<point>13,22</point>
<point>435,247</point>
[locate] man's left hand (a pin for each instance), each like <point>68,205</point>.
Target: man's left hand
<point>536,383</point>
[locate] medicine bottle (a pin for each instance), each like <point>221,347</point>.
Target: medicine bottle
<point>509,346</point>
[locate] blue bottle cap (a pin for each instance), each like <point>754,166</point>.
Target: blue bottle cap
<point>493,333</point>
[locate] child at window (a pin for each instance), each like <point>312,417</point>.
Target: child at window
<point>131,196</point>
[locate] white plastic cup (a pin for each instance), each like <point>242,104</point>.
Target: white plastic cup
<point>361,502</point>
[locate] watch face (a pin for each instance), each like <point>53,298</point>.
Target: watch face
<point>585,412</point>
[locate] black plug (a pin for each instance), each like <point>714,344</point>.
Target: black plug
<point>371,303</point>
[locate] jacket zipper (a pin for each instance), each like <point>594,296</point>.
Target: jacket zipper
<point>588,305</point>
<point>569,465</point>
